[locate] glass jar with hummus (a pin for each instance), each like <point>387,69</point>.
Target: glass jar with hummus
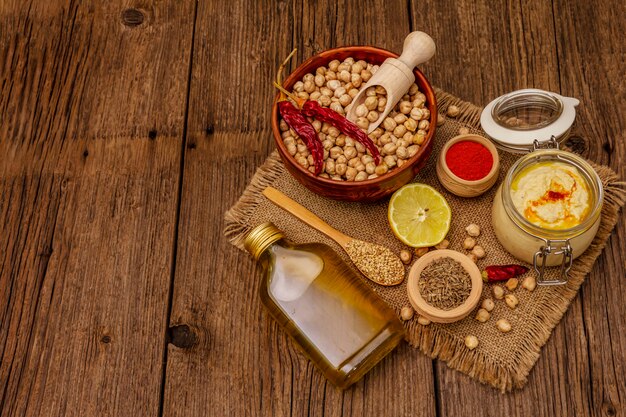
<point>547,210</point>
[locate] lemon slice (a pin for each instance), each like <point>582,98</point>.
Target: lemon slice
<point>419,216</point>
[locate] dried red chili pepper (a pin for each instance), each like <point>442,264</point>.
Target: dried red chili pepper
<point>292,116</point>
<point>494,273</point>
<point>312,108</point>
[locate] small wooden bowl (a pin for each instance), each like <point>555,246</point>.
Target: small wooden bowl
<point>435,314</point>
<point>368,190</point>
<point>459,186</point>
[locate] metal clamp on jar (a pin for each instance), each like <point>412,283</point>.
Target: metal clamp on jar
<point>547,210</point>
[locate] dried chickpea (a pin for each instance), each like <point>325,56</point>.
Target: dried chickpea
<point>389,124</point>
<point>419,138</point>
<point>366,75</point>
<point>372,116</point>
<point>405,256</point>
<point>469,243</point>
<point>511,300</point>
<point>390,161</point>
<point>402,152</point>
<point>406,313</point>
<point>381,169</point>
<point>405,107</point>
<point>423,321</point>
<point>478,251</point>
<point>341,169</point>
<point>337,107</point>
<point>498,292</point>
<point>529,283</point>
<point>412,150</point>
<point>503,325</point>
<point>399,131</point>
<point>362,122</point>
<point>410,125</point>
<point>416,114</point>
<point>361,176</point>
<point>351,173</point>
<point>482,315</point>
<point>345,99</point>
<point>390,149</point>
<point>453,111</point>
<point>473,230</point>
<point>340,92</point>
<point>421,251</point>
<point>463,131</point>
<point>344,76</point>
<point>473,257</point>
<point>400,118</point>
<point>371,102</point>
<point>423,125</point>
<point>511,284</point>
<point>370,168</point>
<point>444,244</point>
<point>400,162</point>
<point>330,166</point>
<point>488,304</point>
<point>471,342</point>
<point>441,119</point>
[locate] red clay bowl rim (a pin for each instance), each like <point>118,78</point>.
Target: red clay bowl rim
<point>328,56</point>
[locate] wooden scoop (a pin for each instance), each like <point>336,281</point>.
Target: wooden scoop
<point>396,75</point>
<point>376,262</point>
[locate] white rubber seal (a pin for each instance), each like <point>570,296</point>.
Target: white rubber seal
<point>518,138</point>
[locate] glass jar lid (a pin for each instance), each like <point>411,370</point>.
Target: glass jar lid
<point>517,119</point>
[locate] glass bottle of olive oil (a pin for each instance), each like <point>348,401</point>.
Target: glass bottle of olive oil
<point>343,326</point>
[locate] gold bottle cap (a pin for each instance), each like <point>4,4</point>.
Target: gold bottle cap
<point>261,237</point>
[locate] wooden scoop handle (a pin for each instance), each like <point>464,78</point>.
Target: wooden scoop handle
<point>418,48</point>
<point>287,204</point>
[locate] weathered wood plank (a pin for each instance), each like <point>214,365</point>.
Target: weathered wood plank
<point>242,363</point>
<point>92,108</point>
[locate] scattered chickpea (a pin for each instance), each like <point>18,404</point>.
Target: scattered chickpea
<point>423,321</point>
<point>498,292</point>
<point>405,256</point>
<point>473,257</point>
<point>511,284</point>
<point>453,111</point>
<point>511,300</point>
<point>471,342</point>
<point>529,283</point>
<point>441,119</point>
<point>473,230</point>
<point>503,325</point>
<point>488,304</point>
<point>463,131</point>
<point>482,315</point>
<point>478,251</point>
<point>469,243</point>
<point>406,313</point>
<point>443,245</point>
<point>421,252</point>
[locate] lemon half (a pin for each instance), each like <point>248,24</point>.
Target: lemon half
<point>419,216</point>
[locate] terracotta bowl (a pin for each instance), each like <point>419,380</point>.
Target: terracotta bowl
<point>459,186</point>
<point>368,190</point>
<point>438,315</point>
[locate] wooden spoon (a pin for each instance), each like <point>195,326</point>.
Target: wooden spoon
<point>396,75</point>
<point>376,262</point>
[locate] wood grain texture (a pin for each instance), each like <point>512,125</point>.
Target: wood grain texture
<point>91,119</point>
<point>243,364</point>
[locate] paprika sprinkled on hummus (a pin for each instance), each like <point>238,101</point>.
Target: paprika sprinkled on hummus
<point>552,195</point>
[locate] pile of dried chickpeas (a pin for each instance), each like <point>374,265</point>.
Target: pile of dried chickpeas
<point>398,137</point>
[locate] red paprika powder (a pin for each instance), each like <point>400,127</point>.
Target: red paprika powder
<point>469,160</point>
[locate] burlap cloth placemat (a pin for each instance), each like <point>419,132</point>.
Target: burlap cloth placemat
<point>501,360</point>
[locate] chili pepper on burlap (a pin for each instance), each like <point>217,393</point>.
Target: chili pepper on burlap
<point>292,116</point>
<point>494,273</point>
<point>312,108</point>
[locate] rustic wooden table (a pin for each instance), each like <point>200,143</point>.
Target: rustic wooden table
<point>127,128</point>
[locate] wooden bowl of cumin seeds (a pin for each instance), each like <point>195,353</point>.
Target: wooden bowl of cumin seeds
<point>444,286</point>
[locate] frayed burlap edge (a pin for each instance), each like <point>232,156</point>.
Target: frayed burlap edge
<point>432,341</point>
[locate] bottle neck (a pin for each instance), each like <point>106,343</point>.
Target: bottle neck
<point>261,238</point>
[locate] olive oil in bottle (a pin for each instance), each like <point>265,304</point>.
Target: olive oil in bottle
<point>343,326</point>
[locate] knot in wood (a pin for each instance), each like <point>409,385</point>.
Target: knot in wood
<point>132,17</point>
<point>577,144</point>
<point>182,336</point>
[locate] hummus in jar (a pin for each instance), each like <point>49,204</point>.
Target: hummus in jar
<point>552,195</point>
